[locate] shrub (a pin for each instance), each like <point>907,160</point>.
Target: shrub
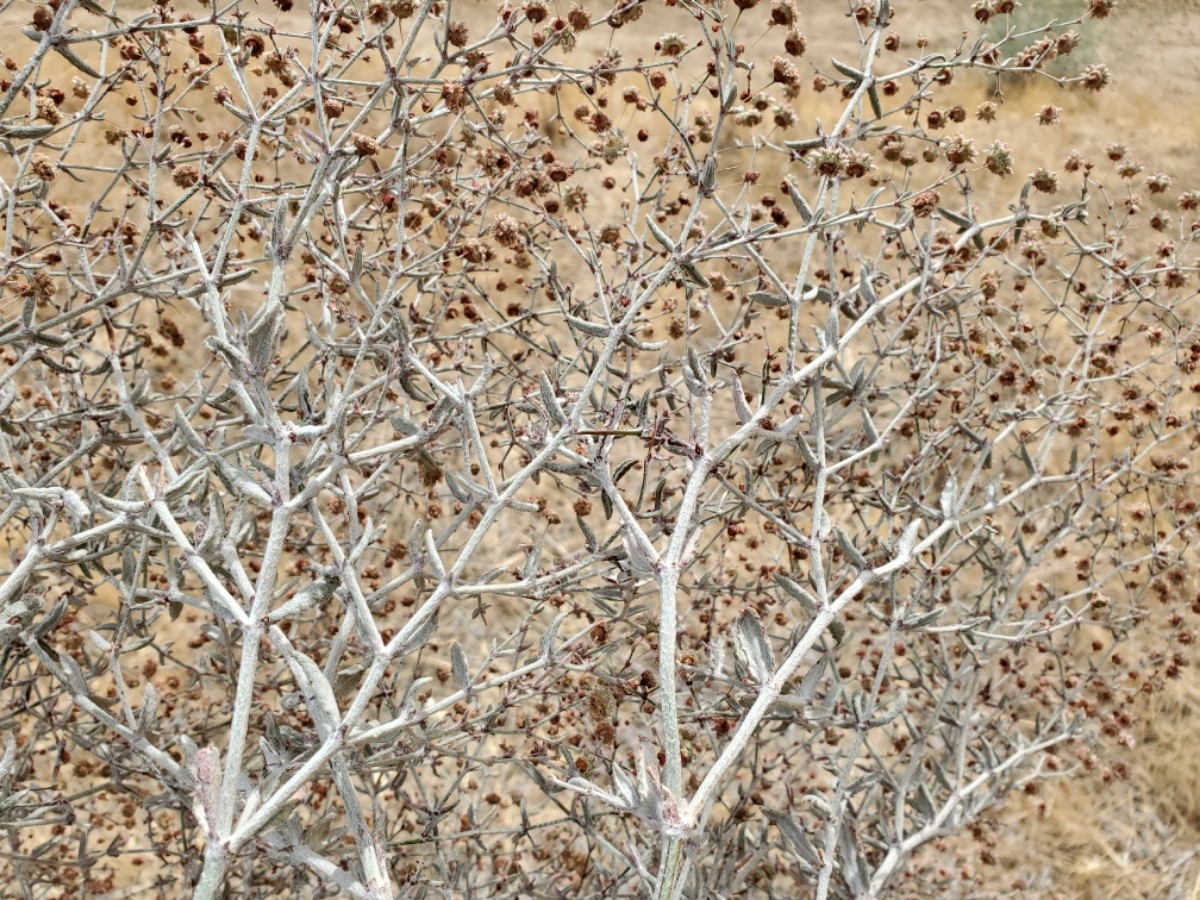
<point>456,454</point>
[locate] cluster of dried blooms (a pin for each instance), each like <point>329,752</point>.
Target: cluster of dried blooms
<point>456,453</point>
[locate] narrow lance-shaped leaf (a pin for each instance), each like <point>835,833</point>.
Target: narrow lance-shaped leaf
<point>10,754</point>
<point>318,693</point>
<point>908,540</point>
<point>768,298</point>
<point>73,675</point>
<point>806,144</point>
<point>260,339</point>
<point>849,71</point>
<point>403,426</point>
<point>752,646</point>
<point>837,630</point>
<point>873,96</point>
<point>458,665</point>
<point>66,53</point>
<point>311,596</point>
<point>949,498</point>
<point>457,490</point>
<point>858,376</point>
<point>24,131</point>
<point>818,805</point>
<point>800,203</point>
<point>869,426</point>
<point>419,638</point>
<point>46,623</point>
<point>589,537</point>
<point>278,232</point>
<point>129,568</point>
<point>550,401</point>
<point>694,364</point>
<point>708,174</point>
<point>808,684</point>
<point>693,274</point>
<point>643,409</point>
<point>832,329</point>
<point>796,838</point>
<point>551,634</point>
<point>854,866</point>
<point>866,288</point>
<point>847,546</point>
<point>660,235</point>
<point>807,600</point>
<point>148,710</point>
<point>638,344</point>
<point>740,406</point>
<point>912,623</point>
<point>588,327</point>
<point>626,789</point>
<point>806,453</point>
<point>229,354</point>
<point>728,93</point>
<point>214,527</point>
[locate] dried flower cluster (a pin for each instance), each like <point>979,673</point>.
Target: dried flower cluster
<point>505,453</point>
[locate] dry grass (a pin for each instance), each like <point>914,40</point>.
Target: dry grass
<point>1098,835</point>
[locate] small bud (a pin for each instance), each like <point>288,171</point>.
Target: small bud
<point>580,18</point>
<point>1048,115</point>
<point>458,34</point>
<point>783,12</point>
<point>784,72</point>
<point>795,43</point>
<point>925,203</point>
<point>1096,77</point>
<point>1044,180</point>
<point>998,159</point>
<point>43,167</point>
<point>365,145</point>
<point>185,175</point>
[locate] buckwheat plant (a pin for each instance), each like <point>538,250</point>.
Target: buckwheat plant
<point>457,451</point>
